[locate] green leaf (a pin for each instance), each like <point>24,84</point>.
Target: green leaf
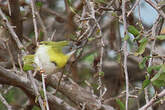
<point>101,73</point>
<point>39,4</point>
<point>42,93</point>
<point>156,76</point>
<point>161,37</point>
<point>133,30</point>
<point>159,79</point>
<point>146,82</point>
<point>143,42</point>
<point>142,64</point>
<point>155,67</point>
<point>121,104</point>
<point>159,74</point>
<point>137,38</point>
<point>159,83</point>
<point>126,37</point>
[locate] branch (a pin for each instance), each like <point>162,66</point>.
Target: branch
<point>34,21</point>
<point>59,18</point>
<point>134,6</point>
<point>153,100</point>
<point>125,52</point>
<point>26,85</point>
<point>35,87</point>
<point>15,14</point>
<point>14,35</point>
<point>151,55</point>
<point>77,94</point>
<point>156,8</point>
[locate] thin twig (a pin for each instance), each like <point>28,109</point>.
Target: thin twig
<point>125,52</point>
<point>44,89</point>
<point>41,103</point>
<point>42,25</point>
<point>90,6</point>
<point>156,8</point>
<point>122,94</point>
<point>140,18</point>
<point>14,35</point>
<point>134,6</point>
<point>66,6</point>
<point>52,12</point>
<point>58,85</point>
<point>19,62</point>
<point>153,100</point>
<point>83,106</point>
<point>34,21</point>
<point>11,56</point>
<point>52,36</point>
<point>8,4</point>
<point>92,30</point>
<point>151,55</point>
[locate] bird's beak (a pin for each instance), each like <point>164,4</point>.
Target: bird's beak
<point>71,53</point>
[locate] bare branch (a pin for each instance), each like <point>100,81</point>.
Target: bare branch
<point>11,56</point>
<point>44,89</point>
<point>72,89</point>
<point>134,6</point>
<point>34,21</point>
<point>8,3</point>
<point>153,100</point>
<point>14,35</point>
<point>36,90</point>
<point>42,25</point>
<point>125,52</point>
<point>26,85</point>
<point>156,8</point>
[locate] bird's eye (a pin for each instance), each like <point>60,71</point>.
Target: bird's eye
<point>54,63</point>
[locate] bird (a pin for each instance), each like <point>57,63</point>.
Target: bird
<point>49,57</point>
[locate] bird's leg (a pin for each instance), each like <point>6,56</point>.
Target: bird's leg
<point>62,73</point>
<point>42,72</point>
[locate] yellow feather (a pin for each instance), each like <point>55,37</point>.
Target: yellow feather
<point>58,57</point>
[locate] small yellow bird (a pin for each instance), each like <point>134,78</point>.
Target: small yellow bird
<point>49,56</point>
